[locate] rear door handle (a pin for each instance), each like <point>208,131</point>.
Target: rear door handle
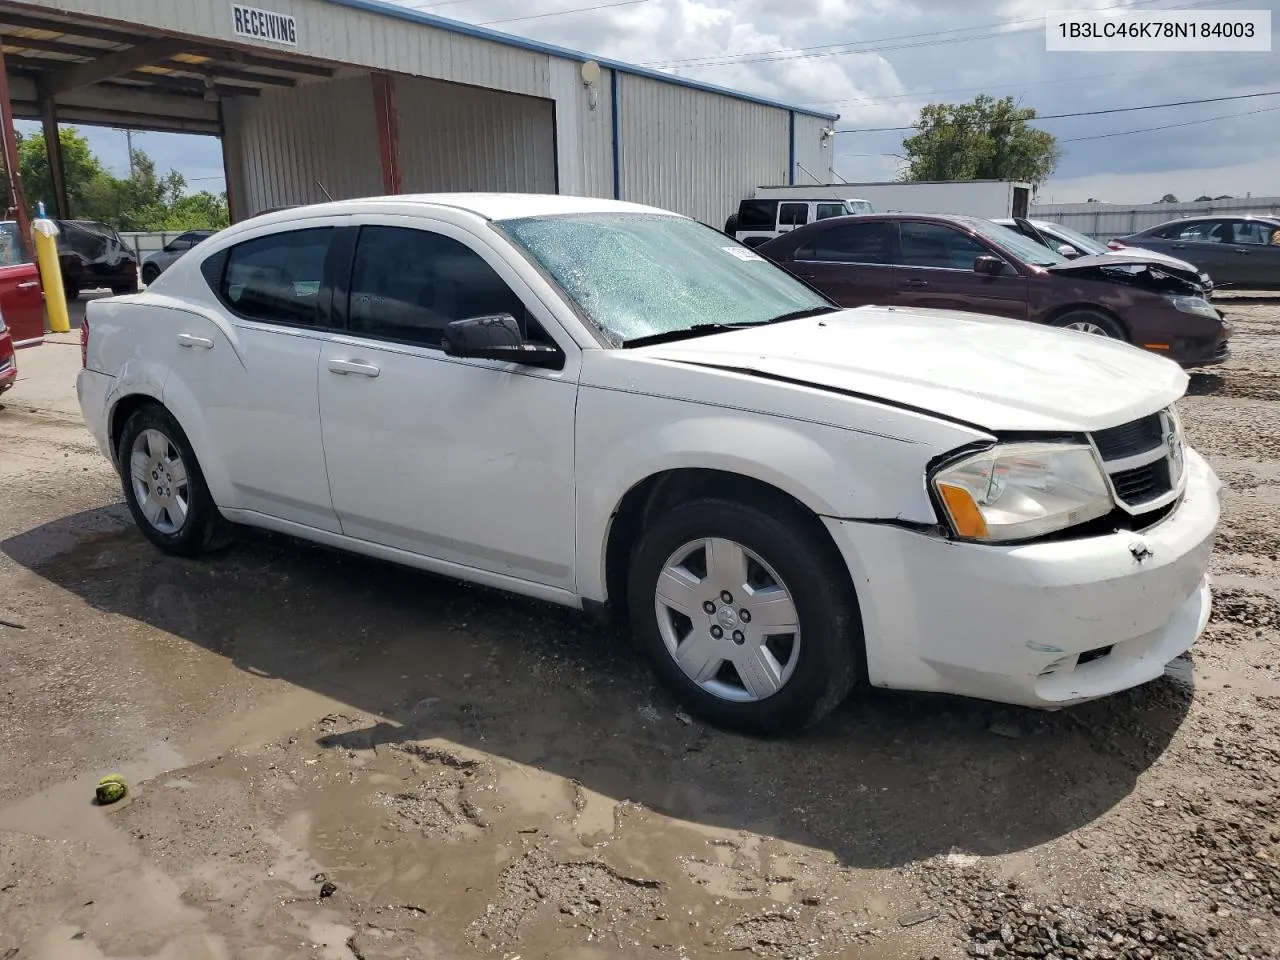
<point>29,285</point>
<point>915,283</point>
<point>190,340</point>
<point>1245,252</point>
<point>1179,246</point>
<point>356,368</point>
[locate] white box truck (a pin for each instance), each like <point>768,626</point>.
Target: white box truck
<point>776,210</point>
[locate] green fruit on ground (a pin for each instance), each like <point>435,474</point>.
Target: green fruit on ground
<point>111,778</point>
<point>111,792</point>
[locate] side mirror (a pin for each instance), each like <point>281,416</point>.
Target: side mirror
<point>988,265</point>
<point>1068,251</point>
<point>497,338</point>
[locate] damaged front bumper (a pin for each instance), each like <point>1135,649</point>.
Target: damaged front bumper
<point>1043,624</point>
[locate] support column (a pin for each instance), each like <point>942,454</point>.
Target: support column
<point>12,164</point>
<point>53,148</point>
<point>384,106</point>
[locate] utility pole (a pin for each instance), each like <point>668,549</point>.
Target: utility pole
<point>128,139</point>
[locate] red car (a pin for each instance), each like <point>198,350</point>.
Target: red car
<point>21,296</point>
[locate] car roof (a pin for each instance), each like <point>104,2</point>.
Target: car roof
<point>490,206</point>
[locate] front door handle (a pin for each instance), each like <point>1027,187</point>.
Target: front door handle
<point>29,285</point>
<point>1245,252</point>
<point>356,368</point>
<point>915,283</point>
<point>190,340</point>
<point>1179,246</point>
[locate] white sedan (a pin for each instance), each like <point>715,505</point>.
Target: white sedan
<point>617,408</point>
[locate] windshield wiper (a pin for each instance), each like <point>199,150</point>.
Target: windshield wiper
<point>697,330</point>
<point>801,314</point>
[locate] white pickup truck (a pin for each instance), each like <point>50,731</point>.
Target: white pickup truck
<point>608,406</point>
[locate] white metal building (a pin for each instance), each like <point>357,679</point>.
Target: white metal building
<point>360,97</point>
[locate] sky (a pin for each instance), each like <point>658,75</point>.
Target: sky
<point>876,62</point>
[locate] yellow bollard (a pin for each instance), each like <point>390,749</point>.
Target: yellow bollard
<point>55,294</point>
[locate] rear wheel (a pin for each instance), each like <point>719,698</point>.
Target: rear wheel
<point>164,487</point>
<point>1091,322</point>
<point>150,273</point>
<point>731,225</point>
<point>746,615</point>
<point>72,289</point>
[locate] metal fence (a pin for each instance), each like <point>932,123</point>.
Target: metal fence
<point>1102,221</point>
<point>145,244</point>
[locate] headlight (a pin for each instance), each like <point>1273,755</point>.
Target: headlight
<point>1022,490</point>
<point>1198,306</point>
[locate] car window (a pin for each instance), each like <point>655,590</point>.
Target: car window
<point>793,214</point>
<point>276,278</point>
<point>757,215</point>
<point>850,243</point>
<point>1251,231</point>
<point>13,249</point>
<point>408,285</point>
<point>825,210</point>
<point>938,245</point>
<point>1204,231</point>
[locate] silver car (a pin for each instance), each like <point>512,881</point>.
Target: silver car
<point>161,260</point>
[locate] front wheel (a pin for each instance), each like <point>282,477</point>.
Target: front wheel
<point>1092,322</point>
<point>746,614</point>
<point>150,274</point>
<point>164,487</point>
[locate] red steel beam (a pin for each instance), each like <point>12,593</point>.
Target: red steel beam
<point>384,106</point>
<point>12,163</point>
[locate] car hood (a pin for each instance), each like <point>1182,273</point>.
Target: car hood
<point>1134,270</point>
<point>1155,256</point>
<point>997,374</point>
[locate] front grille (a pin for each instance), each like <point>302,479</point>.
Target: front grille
<point>1143,459</point>
<point>1143,484</point>
<point>1130,438</point>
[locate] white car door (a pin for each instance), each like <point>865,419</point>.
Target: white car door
<point>249,371</point>
<point>465,461</point>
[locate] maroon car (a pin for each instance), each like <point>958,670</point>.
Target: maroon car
<point>963,263</point>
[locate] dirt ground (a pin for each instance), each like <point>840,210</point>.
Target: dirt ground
<point>338,759</point>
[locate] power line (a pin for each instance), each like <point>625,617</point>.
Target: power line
<point>1170,126</point>
<point>561,13</point>
<point>1214,63</point>
<point>1094,113</point>
<point>891,41</point>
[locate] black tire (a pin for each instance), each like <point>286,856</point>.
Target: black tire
<point>830,657</point>
<point>1108,324</point>
<point>123,291</point>
<point>72,289</point>
<point>150,274</point>
<point>203,529</point>
<point>731,225</point>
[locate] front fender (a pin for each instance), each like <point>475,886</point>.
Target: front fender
<point>624,439</point>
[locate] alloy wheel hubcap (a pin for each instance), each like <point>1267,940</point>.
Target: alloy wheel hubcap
<point>160,483</point>
<point>727,620</point>
<point>1084,326</point>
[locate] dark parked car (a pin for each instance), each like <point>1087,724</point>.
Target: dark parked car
<point>962,263</point>
<point>1235,251</point>
<point>161,260</point>
<point>93,256</point>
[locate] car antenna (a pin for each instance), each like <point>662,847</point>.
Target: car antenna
<point>327,195</point>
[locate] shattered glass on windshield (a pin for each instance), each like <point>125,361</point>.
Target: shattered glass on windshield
<point>637,275</point>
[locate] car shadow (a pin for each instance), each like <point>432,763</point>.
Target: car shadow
<point>889,779</point>
<point>1205,384</point>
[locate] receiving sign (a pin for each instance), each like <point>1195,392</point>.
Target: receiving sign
<point>264,26</point>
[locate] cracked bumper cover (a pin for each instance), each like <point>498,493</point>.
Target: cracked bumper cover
<point>1011,623</point>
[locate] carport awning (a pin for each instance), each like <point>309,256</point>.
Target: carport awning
<point>132,78</point>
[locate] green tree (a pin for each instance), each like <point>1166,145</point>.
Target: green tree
<point>1168,198</point>
<point>143,201</point>
<point>987,139</point>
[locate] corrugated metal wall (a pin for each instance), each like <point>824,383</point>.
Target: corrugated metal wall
<point>289,139</point>
<point>811,155</point>
<point>463,138</point>
<point>695,152</point>
<point>1103,221</point>
<point>584,131</point>
<point>345,35</point>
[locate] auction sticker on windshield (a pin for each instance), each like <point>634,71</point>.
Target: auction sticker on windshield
<point>1138,32</point>
<point>742,253</point>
